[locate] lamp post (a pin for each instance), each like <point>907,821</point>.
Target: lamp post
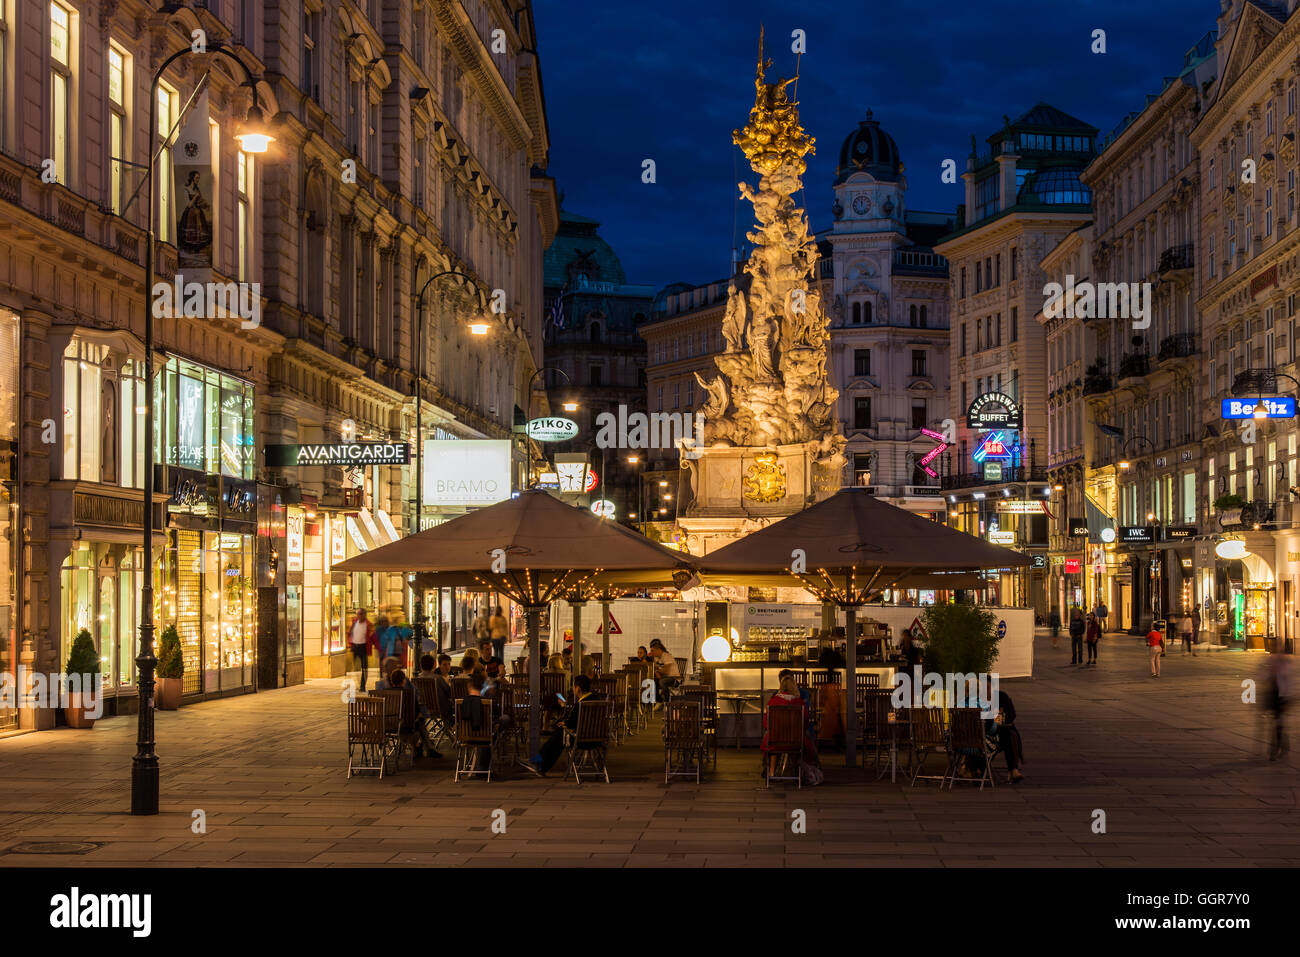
<point>568,406</point>
<point>1125,465</point>
<point>254,139</point>
<point>420,628</point>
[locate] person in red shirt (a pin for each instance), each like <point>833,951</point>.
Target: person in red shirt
<point>1155,644</point>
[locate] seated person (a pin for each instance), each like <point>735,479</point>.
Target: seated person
<point>556,664</point>
<point>553,747</point>
<point>667,674</point>
<point>471,711</point>
<point>428,666</point>
<point>830,704</point>
<point>788,693</point>
<point>386,669</point>
<point>397,680</point>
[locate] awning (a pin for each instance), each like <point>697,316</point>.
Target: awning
<point>1097,520</point>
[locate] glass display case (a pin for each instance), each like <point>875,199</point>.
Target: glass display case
<point>1257,614</point>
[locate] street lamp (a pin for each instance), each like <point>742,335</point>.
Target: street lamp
<point>253,139</point>
<point>420,628</point>
<point>568,406</point>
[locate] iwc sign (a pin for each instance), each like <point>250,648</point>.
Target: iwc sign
<point>993,410</point>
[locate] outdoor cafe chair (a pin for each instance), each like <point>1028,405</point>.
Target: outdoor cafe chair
<point>867,682</point>
<point>459,687</point>
<point>928,738</point>
<point>875,706</point>
<point>966,739</point>
<point>785,734</point>
<point>618,700</point>
<point>588,743</point>
<point>513,732</point>
<point>366,738</point>
<point>607,688</point>
<point>469,742</point>
<point>397,715</point>
<point>440,729</point>
<point>683,739</point>
<point>708,700</point>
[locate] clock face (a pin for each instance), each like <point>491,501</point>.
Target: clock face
<point>861,204</point>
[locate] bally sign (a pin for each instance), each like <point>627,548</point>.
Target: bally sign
<point>1179,532</point>
<point>993,410</point>
<point>343,453</point>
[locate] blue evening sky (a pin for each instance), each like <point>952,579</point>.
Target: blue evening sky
<point>670,80</point>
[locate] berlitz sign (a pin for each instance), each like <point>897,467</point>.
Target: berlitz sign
<point>342,453</point>
<point>993,410</point>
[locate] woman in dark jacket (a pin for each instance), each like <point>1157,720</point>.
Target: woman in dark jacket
<point>1004,731</point>
<point>1077,628</point>
<point>1092,635</point>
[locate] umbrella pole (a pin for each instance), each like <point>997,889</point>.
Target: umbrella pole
<point>851,683</point>
<point>534,680</point>
<point>604,644</point>
<point>575,662</point>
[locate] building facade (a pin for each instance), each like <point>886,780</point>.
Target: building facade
<point>888,303</point>
<point>1143,357</point>
<point>1022,198</point>
<point>403,147</point>
<point>594,356</point>
<point>1248,251</point>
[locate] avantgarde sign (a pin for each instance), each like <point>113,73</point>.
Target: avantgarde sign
<point>342,453</point>
<point>552,429</point>
<point>993,410</point>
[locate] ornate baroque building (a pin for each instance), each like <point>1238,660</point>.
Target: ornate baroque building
<point>409,140</point>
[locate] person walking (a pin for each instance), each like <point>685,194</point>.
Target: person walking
<point>499,632</point>
<point>1092,635</point>
<point>1276,687</point>
<point>1054,622</point>
<point>1102,611</point>
<point>1155,648</point>
<point>361,634</point>
<point>1185,632</point>
<point>1077,628</point>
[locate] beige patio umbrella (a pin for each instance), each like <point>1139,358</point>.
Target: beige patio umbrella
<point>848,549</point>
<point>534,549</point>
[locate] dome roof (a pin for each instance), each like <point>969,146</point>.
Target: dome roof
<point>1055,186</point>
<point>869,149</point>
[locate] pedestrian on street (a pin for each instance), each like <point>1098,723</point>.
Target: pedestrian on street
<point>361,635</point>
<point>1276,688</point>
<point>1185,632</point>
<point>499,631</point>
<point>1155,647</point>
<point>1077,628</point>
<point>1102,611</point>
<point>1092,635</point>
<point>1054,621</point>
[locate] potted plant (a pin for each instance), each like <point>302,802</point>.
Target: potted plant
<point>171,669</point>
<point>83,661</point>
<point>960,639</point>
<point>1229,501</point>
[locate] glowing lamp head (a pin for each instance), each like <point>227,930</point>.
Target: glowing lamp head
<point>570,407</point>
<point>1261,412</point>
<point>1124,463</point>
<point>254,137</point>
<point>478,327</point>
<point>715,649</point>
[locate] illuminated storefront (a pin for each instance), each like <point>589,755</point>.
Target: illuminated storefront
<point>10,626</point>
<point>210,590</point>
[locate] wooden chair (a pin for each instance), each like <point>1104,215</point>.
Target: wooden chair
<point>366,735</point>
<point>588,743</point>
<point>875,706</point>
<point>607,688</point>
<point>394,721</point>
<point>512,732</point>
<point>459,687</point>
<point>708,701</point>
<point>927,738</point>
<point>469,741</point>
<point>966,739</point>
<point>683,739</point>
<point>785,733</point>
<point>440,729</point>
<point>618,698</point>
<point>865,683</point>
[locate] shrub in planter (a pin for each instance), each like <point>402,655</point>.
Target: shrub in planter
<point>171,669</point>
<point>83,661</point>
<point>1229,501</point>
<point>960,639</point>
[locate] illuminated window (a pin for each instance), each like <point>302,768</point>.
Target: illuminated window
<point>119,146</point>
<point>244,215</point>
<point>60,90</point>
<point>168,108</point>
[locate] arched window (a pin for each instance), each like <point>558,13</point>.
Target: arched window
<point>857,313</point>
<point>912,316</point>
<point>866,312</point>
<point>924,318</point>
<point>595,332</point>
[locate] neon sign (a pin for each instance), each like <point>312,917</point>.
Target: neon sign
<point>994,446</point>
<point>934,453</point>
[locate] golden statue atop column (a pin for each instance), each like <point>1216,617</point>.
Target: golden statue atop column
<point>771,442</point>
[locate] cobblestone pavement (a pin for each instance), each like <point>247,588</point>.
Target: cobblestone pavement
<point>1176,763</point>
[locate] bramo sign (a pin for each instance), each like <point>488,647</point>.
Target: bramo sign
<point>552,429</point>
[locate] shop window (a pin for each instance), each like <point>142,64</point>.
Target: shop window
<point>207,420</point>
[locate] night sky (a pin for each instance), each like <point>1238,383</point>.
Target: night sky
<point>669,80</point>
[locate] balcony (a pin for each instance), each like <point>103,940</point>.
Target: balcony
<point>910,262</point>
<point>1176,259</point>
<point>1181,345</point>
<point>1010,474</point>
<point>1095,383</point>
<point>1135,365</point>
